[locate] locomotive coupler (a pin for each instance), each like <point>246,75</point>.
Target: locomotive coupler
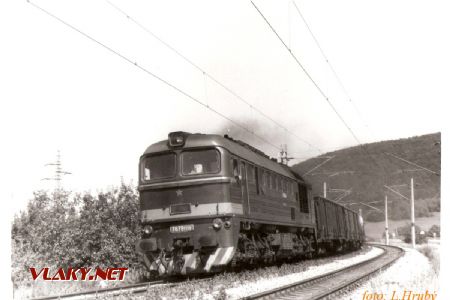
<point>177,256</point>
<point>161,260</point>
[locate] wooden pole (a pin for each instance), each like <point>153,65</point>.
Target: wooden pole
<point>324,189</point>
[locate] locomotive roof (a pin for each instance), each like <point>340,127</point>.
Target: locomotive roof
<point>238,148</point>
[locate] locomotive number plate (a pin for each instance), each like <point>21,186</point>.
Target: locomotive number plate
<point>181,228</point>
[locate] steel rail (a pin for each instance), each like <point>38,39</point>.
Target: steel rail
<point>312,289</point>
<point>134,288</point>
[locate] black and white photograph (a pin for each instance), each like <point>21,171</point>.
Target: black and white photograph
<point>224,150</point>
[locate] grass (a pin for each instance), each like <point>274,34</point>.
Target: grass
<point>413,272</point>
<point>40,288</point>
<point>432,253</point>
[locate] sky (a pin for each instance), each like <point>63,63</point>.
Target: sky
<point>63,91</point>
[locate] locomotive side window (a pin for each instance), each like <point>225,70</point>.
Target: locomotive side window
<point>256,170</point>
<point>303,195</point>
<point>273,185</point>
<point>200,162</point>
<point>158,166</point>
<point>251,173</point>
<point>264,183</point>
<point>235,167</point>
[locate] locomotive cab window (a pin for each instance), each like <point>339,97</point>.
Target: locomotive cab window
<point>200,162</point>
<point>158,166</point>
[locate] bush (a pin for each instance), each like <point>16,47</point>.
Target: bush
<point>405,232</point>
<point>434,229</point>
<point>83,231</point>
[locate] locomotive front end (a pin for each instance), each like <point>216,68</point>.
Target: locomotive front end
<point>186,213</point>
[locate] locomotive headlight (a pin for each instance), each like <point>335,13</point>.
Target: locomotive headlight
<point>148,229</point>
<point>177,139</point>
<point>217,223</point>
<point>227,224</point>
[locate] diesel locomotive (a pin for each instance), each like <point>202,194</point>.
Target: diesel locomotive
<point>209,202</point>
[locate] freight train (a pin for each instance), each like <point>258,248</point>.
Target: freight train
<point>209,202</point>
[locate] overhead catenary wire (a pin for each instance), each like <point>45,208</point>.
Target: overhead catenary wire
<point>319,89</point>
<point>337,77</point>
<point>341,84</point>
<point>306,73</point>
<point>211,77</point>
<point>188,96</point>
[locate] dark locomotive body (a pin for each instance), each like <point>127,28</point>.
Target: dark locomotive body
<point>209,201</point>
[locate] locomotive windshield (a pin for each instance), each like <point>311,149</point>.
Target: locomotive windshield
<point>159,166</point>
<point>200,162</point>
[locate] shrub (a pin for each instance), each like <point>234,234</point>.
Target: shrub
<point>83,231</point>
<point>434,229</point>
<point>405,232</point>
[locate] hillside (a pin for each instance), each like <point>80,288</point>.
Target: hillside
<point>366,171</point>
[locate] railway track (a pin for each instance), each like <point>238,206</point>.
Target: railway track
<point>110,292</point>
<point>319,287</point>
<point>135,289</point>
<point>333,283</point>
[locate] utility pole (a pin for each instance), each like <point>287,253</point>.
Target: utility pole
<point>58,173</point>
<point>284,158</point>
<point>324,189</point>
<point>361,217</point>
<point>413,227</point>
<point>386,219</point>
